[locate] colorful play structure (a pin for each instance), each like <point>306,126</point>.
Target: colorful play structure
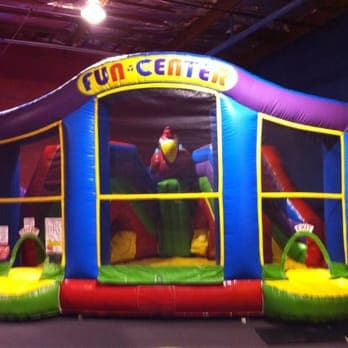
<point>172,184</point>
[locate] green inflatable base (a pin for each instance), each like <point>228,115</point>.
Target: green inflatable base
<point>135,274</point>
<point>303,308</point>
<point>37,304</point>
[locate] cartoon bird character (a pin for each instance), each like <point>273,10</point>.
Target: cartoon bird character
<point>168,143</point>
<point>172,160</point>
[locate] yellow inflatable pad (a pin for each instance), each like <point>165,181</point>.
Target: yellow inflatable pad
<point>22,280</point>
<point>311,282</point>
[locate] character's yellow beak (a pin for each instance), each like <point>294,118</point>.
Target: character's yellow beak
<point>169,149</point>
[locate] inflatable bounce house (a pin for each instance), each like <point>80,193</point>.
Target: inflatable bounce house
<point>171,184</point>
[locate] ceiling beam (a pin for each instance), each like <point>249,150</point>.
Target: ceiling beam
<point>256,26</point>
<point>202,24</point>
<point>55,46</point>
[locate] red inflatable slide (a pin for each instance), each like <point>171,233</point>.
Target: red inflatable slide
<point>275,178</point>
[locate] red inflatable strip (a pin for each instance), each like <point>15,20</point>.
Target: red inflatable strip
<point>88,297</point>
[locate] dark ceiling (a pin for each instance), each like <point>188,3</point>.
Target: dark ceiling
<point>243,32</point>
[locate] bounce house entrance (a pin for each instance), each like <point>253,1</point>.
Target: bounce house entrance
<point>301,182</point>
<point>159,187</point>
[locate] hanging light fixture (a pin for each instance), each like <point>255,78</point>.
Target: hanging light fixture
<point>94,12</point>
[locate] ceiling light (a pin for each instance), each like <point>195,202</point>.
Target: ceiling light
<point>93,12</point>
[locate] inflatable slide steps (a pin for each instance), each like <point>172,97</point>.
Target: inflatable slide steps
<point>126,163</point>
<point>134,231</point>
<point>133,224</point>
<point>204,163</point>
<point>203,158</point>
<point>147,211</point>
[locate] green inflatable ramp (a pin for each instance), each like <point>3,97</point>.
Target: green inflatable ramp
<point>176,226</point>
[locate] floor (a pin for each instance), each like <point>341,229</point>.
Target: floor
<point>75,331</point>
